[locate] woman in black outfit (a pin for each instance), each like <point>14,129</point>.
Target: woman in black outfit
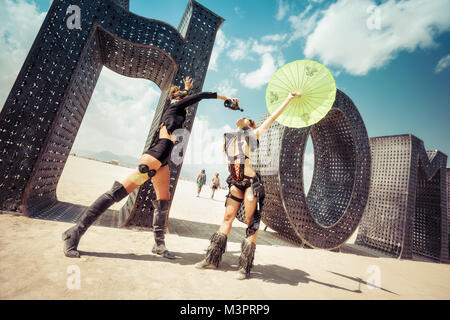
<point>153,165</point>
<point>245,185</point>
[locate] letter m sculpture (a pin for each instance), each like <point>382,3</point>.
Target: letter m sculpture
<point>406,213</point>
<point>44,110</point>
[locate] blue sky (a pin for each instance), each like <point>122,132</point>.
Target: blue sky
<point>391,57</point>
<point>404,95</point>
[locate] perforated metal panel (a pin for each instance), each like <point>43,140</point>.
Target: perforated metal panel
<point>44,110</point>
<point>406,212</point>
<point>448,209</point>
<point>330,213</point>
<point>199,26</point>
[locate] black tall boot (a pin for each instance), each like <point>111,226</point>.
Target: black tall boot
<point>71,237</point>
<point>214,252</point>
<point>161,207</point>
<point>246,259</point>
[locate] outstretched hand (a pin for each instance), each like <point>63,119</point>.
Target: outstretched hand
<point>235,101</point>
<point>292,95</point>
<point>268,122</point>
<point>188,83</point>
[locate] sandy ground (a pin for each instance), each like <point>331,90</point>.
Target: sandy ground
<point>118,264</point>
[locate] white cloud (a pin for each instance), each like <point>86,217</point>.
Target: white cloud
<point>308,170</point>
<point>262,48</point>
<point>238,12</point>
<point>280,61</point>
<point>344,37</point>
<point>205,143</point>
<point>270,56</point>
<point>245,49</point>
<point>274,37</point>
<point>302,24</point>
<point>268,52</point>
<point>226,88</point>
<point>220,45</point>
<point>256,79</point>
<point>308,159</point>
<point>443,64</point>
<point>119,116</point>
<point>20,23</point>
<point>204,150</point>
<point>240,49</point>
<point>283,8</point>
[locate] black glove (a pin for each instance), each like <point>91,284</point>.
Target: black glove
<point>230,105</point>
<point>258,188</point>
<point>228,181</point>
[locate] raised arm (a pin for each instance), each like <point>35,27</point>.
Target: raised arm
<point>194,98</point>
<point>189,82</point>
<point>235,100</point>
<point>266,124</point>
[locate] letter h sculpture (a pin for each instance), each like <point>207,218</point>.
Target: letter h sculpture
<point>44,110</point>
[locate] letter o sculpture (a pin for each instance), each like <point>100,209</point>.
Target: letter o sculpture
<point>330,213</point>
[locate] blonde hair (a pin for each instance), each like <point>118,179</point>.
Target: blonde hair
<point>173,90</point>
<point>176,92</point>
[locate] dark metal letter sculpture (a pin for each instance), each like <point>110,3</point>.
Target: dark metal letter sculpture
<point>331,212</point>
<point>406,212</point>
<point>44,110</point>
<point>448,209</point>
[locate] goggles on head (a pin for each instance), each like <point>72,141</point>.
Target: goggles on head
<point>180,94</point>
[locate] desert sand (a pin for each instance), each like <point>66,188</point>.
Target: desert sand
<point>118,263</point>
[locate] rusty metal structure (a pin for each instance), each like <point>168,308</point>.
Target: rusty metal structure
<point>330,213</point>
<point>406,212</point>
<point>44,110</point>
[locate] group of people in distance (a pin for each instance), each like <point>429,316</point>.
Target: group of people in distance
<point>245,184</point>
<point>201,181</point>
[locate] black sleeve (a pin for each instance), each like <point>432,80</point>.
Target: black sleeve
<point>193,99</point>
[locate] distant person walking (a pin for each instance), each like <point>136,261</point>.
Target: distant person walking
<point>215,185</point>
<point>201,181</point>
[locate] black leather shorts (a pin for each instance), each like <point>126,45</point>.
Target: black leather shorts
<point>241,185</point>
<point>161,150</point>
<point>246,183</point>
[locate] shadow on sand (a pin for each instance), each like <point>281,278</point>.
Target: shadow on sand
<point>202,230</point>
<point>266,273</point>
<point>361,281</point>
<point>68,212</point>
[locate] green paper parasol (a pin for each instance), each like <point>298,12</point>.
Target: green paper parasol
<point>315,84</point>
